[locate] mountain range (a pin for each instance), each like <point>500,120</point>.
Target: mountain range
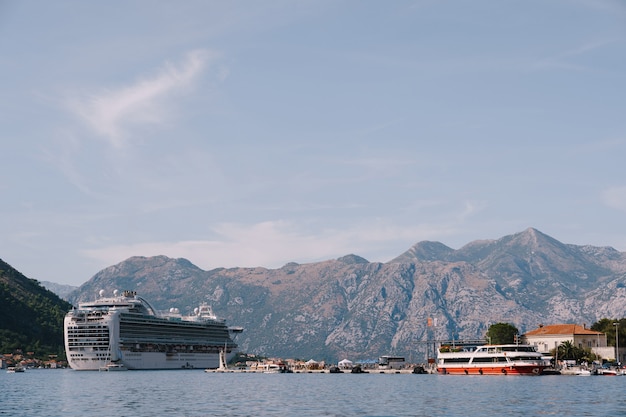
<point>352,308</point>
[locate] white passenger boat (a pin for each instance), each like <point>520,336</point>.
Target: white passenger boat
<point>490,360</point>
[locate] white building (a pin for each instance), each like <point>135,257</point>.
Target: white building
<point>546,338</point>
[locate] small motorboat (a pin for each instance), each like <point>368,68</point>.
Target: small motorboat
<point>15,369</point>
<point>113,367</point>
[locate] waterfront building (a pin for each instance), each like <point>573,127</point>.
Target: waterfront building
<point>547,337</point>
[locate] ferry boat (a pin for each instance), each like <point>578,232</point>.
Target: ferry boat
<point>126,330</point>
<point>490,360</point>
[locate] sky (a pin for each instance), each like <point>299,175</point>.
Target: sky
<point>257,133</point>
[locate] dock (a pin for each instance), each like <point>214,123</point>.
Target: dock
<point>320,371</point>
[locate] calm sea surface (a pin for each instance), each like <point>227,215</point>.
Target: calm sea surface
<point>70,393</point>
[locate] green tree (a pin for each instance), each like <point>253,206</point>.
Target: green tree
<point>501,333</point>
<point>608,327</point>
<point>567,351</point>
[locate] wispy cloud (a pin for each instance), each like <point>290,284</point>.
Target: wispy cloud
<point>563,59</point>
<point>235,245</point>
<point>111,113</point>
<point>62,157</point>
<point>615,197</point>
<point>272,244</point>
<point>471,209</point>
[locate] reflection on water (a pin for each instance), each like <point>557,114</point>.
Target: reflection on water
<point>69,393</point>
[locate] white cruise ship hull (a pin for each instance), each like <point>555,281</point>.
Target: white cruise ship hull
<point>152,361</point>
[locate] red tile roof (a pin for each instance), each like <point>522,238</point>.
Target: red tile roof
<point>561,329</point>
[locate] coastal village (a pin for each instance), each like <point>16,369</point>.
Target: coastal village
<point>545,339</point>
<point>27,360</point>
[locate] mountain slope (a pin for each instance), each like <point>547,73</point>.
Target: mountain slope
<point>59,289</point>
<point>546,275</point>
<point>425,251</point>
<point>32,317</point>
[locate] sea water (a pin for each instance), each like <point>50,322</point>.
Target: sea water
<point>68,393</point>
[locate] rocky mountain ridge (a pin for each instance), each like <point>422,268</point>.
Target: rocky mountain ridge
<point>62,290</point>
<point>350,307</point>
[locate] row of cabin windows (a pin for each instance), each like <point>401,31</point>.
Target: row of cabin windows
<point>585,343</point>
<point>488,360</point>
<point>476,360</point>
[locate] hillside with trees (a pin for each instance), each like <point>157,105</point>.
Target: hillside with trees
<point>31,317</point>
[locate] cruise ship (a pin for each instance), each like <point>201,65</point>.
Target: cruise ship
<point>126,330</point>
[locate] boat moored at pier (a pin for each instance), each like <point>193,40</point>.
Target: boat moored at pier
<point>510,359</point>
<point>125,330</point>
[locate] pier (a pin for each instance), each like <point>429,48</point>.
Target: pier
<point>324,371</point>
